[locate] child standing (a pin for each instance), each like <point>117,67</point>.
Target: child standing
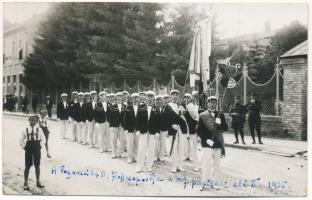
<point>43,123</point>
<point>30,141</point>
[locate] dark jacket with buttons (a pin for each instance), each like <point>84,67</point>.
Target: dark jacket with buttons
<point>130,119</point>
<point>62,112</point>
<point>99,113</point>
<point>175,118</point>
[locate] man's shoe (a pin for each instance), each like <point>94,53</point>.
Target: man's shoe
<point>253,142</point>
<point>244,142</point>
<point>39,185</point>
<point>49,156</point>
<point>260,142</point>
<point>196,169</point>
<point>26,187</point>
<point>173,170</point>
<point>236,142</point>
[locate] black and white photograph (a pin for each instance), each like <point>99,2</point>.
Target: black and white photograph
<point>155,99</point>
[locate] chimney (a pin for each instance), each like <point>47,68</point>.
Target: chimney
<point>267,26</point>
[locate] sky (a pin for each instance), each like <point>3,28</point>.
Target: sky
<point>233,19</point>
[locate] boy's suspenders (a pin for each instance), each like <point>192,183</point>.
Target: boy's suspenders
<point>32,135</point>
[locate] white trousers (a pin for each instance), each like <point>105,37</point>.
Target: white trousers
<point>210,164</point>
<point>146,152</point>
<point>80,129</point>
<point>91,127</point>
<point>63,128</point>
<point>74,130</point>
<point>132,145</point>
<point>192,153</point>
<point>85,132</point>
<point>183,146</point>
<point>116,133</point>
<point>176,152</point>
<point>161,145</point>
<point>102,130</point>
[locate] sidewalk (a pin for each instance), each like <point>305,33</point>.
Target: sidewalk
<point>279,147</point>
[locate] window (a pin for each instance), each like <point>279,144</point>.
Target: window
<point>14,78</point>
<point>8,79</point>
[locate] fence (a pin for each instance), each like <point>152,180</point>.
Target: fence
<point>269,93</point>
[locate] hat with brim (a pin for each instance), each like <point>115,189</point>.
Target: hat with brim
<point>75,92</point>
<point>102,93</point>
<point>174,92</point>
<point>87,94</point>
<point>80,94</point>
<point>93,92</point>
<point>142,93</point>
<point>125,92</point>
<point>43,111</point>
<point>211,98</point>
<point>150,93</point>
<point>134,95</point>
<point>64,95</point>
<point>165,96</point>
<point>119,94</point>
<point>158,97</point>
<point>188,95</point>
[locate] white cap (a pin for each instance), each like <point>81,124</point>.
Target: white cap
<point>134,94</point>
<point>63,95</point>
<point>93,92</point>
<point>112,95</point>
<point>80,93</point>
<point>119,94</point>
<point>125,92</point>
<point>142,93</point>
<point>194,93</point>
<point>150,92</point>
<point>174,91</point>
<point>87,93</point>
<point>101,93</point>
<point>74,92</point>
<point>212,98</point>
<point>159,96</point>
<point>187,95</point>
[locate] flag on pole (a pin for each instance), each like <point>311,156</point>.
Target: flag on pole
<point>205,30</point>
<point>200,53</point>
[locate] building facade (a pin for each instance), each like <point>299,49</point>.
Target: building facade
<point>17,44</point>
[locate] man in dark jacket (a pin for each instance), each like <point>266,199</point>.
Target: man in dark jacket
<point>72,105</point>
<point>34,103</point>
<point>25,103</point>
<point>254,118</point>
<point>101,122</point>
<point>49,105</point>
<point>116,129</point>
<point>85,110</point>
<point>211,126</point>
<point>130,125</point>
<point>176,127</point>
<point>62,113</point>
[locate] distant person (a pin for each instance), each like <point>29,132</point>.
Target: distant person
<point>25,103</point>
<point>34,103</point>
<point>237,112</point>
<point>254,120</point>
<point>30,141</point>
<point>43,123</point>
<point>49,105</point>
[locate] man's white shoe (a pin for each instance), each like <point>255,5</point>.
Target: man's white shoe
<point>196,169</point>
<point>138,170</point>
<point>150,170</point>
<point>129,160</point>
<point>102,151</point>
<point>173,170</point>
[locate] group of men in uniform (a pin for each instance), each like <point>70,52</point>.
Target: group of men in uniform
<point>141,127</point>
<point>137,126</point>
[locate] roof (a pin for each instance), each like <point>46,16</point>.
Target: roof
<point>298,51</point>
